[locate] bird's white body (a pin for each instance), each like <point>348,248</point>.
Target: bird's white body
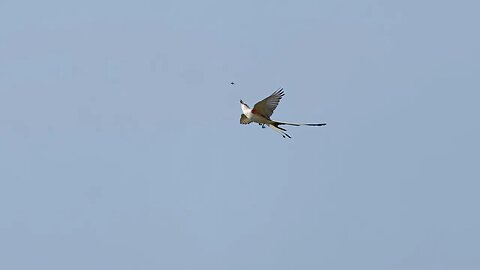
<point>254,117</point>
<point>262,111</point>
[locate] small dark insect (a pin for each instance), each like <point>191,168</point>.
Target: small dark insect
<point>232,83</point>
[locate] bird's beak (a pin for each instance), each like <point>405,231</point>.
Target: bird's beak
<point>241,101</point>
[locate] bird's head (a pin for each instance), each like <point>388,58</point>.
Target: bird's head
<point>243,105</point>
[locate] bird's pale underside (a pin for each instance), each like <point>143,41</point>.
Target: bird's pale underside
<point>263,110</point>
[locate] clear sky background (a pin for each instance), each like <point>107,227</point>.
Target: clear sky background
<point>121,148</point>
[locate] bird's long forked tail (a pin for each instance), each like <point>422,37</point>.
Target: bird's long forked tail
<point>276,124</point>
<point>300,124</point>
<point>279,130</point>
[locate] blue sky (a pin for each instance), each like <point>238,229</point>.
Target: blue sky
<point>121,148</point>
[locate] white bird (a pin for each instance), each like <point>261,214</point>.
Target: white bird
<point>262,111</point>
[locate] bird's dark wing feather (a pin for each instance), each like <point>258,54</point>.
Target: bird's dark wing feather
<point>266,106</point>
<point>244,119</point>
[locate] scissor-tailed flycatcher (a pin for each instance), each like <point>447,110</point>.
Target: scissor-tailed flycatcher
<point>262,111</point>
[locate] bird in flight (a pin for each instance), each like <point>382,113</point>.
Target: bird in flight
<point>232,83</point>
<point>262,111</point>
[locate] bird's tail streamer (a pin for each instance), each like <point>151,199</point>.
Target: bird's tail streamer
<point>275,126</point>
<point>278,129</point>
<point>300,124</point>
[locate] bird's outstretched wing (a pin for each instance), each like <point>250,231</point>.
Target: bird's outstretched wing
<point>266,106</point>
<point>244,119</point>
